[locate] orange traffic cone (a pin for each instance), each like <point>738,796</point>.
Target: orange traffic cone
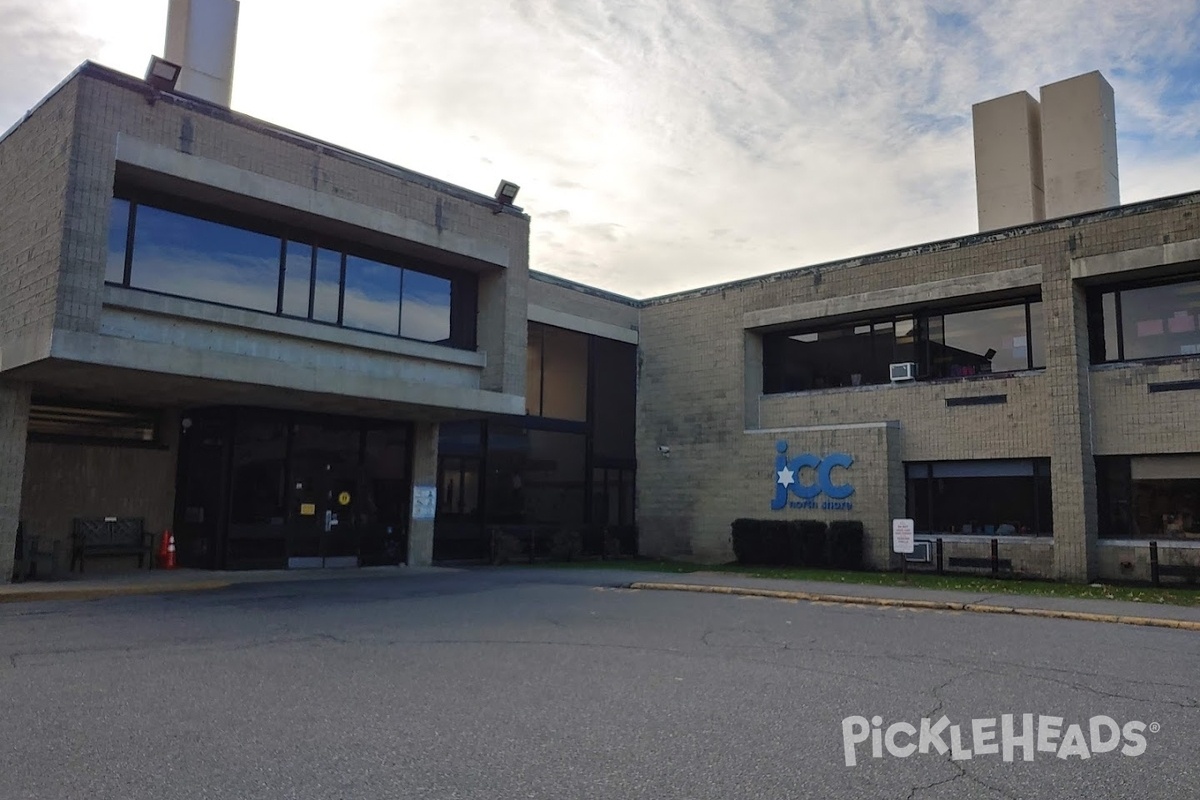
<point>166,550</point>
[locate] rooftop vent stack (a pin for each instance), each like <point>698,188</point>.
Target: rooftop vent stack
<point>1079,145</point>
<point>1008,161</point>
<point>202,38</point>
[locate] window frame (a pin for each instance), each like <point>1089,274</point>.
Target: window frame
<point>1096,320</point>
<point>921,318</point>
<point>464,291</point>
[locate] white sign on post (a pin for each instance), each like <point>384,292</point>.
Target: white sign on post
<point>902,536</point>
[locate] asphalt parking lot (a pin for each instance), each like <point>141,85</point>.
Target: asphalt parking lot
<point>537,683</point>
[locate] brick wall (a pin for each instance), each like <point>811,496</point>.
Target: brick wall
<point>34,161</point>
<point>64,481</point>
<point>699,395</point>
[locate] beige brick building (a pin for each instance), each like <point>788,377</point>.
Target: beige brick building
<point>707,393</point>
<point>290,354</point>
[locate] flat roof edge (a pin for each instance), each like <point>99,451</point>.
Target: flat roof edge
<point>583,288</point>
<point>967,240</point>
<point>117,78</point>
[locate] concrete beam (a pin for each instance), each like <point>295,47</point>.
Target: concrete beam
<point>897,298</point>
<point>1143,258</point>
<point>171,359</point>
<point>227,178</point>
<point>574,322</point>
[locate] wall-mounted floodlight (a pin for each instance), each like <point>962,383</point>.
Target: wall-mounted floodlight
<point>506,193</point>
<point>162,74</point>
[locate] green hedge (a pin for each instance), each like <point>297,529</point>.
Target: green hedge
<point>798,543</point>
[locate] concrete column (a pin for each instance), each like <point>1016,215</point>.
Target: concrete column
<point>425,456</point>
<point>1072,465</point>
<point>14,429</point>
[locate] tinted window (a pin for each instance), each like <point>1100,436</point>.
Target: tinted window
<point>615,405</point>
<point>989,498</point>
<point>327,286</point>
<point>118,231</point>
<point>943,344</point>
<point>372,296</point>
<point>297,278</point>
<point>1161,320</point>
<point>533,372</point>
<point>564,374</point>
<point>204,260</point>
<point>982,341</point>
<point>259,455</point>
<point>426,311</point>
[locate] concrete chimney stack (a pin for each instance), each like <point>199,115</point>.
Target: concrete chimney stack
<point>1055,158</point>
<point>1079,145</point>
<point>1008,161</point>
<point>202,38</point>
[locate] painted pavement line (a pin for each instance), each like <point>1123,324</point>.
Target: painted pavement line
<point>931,605</point>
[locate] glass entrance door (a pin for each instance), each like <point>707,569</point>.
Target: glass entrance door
<point>325,491</point>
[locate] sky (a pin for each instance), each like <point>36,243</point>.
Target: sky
<point>663,145</point>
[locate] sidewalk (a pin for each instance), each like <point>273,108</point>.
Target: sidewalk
<point>1152,614</point>
<point>158,581</point>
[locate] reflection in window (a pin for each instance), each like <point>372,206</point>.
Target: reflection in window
<point>327,286</point>
<point>297,279</point>
<point>1009,497</point>
<point>118,233</point>
<point>203,260</point>
<point>372,296</point>
<point>426,311</point>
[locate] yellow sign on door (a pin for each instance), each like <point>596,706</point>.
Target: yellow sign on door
<point>344,499</point>
<point>308,509</point>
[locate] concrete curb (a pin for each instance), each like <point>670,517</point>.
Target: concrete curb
<point>100,592</point>
<point>930,605</point>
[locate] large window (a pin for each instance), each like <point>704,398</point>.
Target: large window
<point>1149,497</point>
<point>1145,321</point>
<point>944,343</point>
<point>204,254</point>
<point>556,377</point>
<point>1003,497</point>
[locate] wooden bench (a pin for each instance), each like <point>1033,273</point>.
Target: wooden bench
<point>111,536</point>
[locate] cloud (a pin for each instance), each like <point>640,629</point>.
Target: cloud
<point>639,129</point>
<point>39,45</point>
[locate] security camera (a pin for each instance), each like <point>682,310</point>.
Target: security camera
<point>666,451</point>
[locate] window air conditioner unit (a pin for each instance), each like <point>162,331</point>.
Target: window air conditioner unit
<point>904,371</point>
<point>922,552</point>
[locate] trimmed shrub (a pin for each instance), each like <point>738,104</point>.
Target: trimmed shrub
<point>747,541</point>
<point>846,544</point>
<point>809,548</point>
